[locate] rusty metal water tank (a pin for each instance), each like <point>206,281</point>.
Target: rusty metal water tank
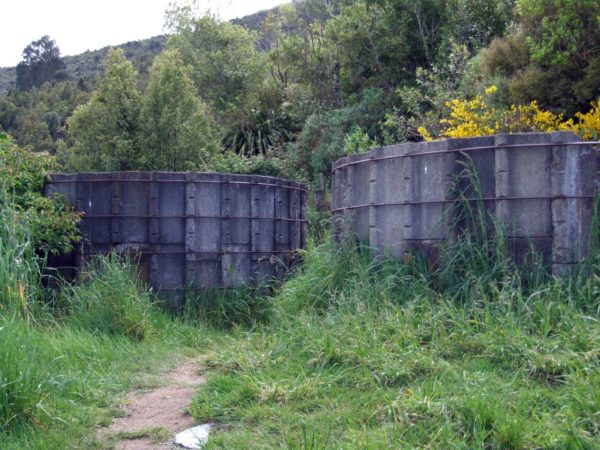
<point>188,230</point>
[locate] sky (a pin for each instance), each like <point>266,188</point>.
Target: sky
<point>80,25</point>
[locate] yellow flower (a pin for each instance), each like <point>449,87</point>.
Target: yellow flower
<point>468,118</point>
<point>589,123</point>
<point>423,132</point>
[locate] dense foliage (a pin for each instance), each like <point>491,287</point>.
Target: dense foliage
<point>291,85</point>
<point>104,131</point>
<point>52,222</point>
<point>476,117</point>
<point>352,351</point>
<point>551,54</point>
<point>37,117</point>
<point>120,128</point>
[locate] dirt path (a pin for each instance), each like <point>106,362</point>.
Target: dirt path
<point>153,417</point>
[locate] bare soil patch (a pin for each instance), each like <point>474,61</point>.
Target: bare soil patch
<point>153,417</point>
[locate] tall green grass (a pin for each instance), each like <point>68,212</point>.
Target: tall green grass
<point>59,383</point>
<point>24,383</point>
<point>224,309</point>
<point>367,352</point>
<point>109,298</point>
<point>20,266</point>
<point>62,364</point>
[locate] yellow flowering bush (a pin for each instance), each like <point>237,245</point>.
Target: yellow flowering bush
<point>589,124</point>
<point>470,118</point>
<point>474,117</point>
<point>530,118</point>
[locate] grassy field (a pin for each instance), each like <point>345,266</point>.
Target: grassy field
<point>351,352</point>
<point>67,355</point>
<point>58,383</point>
<point>364,353</point>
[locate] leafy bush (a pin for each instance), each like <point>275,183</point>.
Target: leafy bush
<point>324,136</point>
<point>422,103</point>
<point>230,162</point>
<point>52,222</point>
<point>357,141</point>
<point>551,55</point>
<point>255,131</point>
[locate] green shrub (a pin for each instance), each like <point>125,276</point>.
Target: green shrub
<point>323,138</point>
<point>229,162</point>
<point>52,222</point>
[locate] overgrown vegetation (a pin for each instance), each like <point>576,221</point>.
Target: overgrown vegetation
<point>51,222</point>
<point>66,352</point>
<point>291,84</point>
<point>371,353</point>
<point>475,117</point>
<point>62,369</point>
<point>352,351</point>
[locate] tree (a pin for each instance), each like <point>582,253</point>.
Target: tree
<point>563,37</point>
<point>421,22</point>
<point>104,131</point>
<point>226,67</point>
<point>552,55</point>
<point>431,27</point>
<point>176,131</point>
<point>37,118</point>
<point>8,113</point>
<point>33,131</point>
<point>52,222</point>
<point>233,78</point>
<point>561,32</point>
<point>475,23</point>
<point>41,62</point>
<point>371,47</point>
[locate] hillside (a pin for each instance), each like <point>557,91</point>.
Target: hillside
<point>141,53</point>
<point>88,64</point>
<point>8,75</point>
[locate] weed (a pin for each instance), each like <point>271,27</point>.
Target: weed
<point>20,267</point>
<point>366,352</point>
<point>225,308</point>
<point>110,299</point>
